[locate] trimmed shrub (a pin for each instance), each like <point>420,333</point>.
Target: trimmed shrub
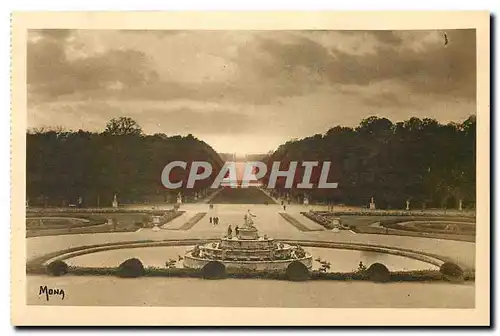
<point>130,268</point>
<point>378,272</point>
<point>297,271</point>
<point>451,272</point>
<point>214,270</point>
<point>146,219</point>
<point>57,268</point>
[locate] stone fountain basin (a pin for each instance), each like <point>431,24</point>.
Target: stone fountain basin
<point>341,259</point>
<point>256,265</point>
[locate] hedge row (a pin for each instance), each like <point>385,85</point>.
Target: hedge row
<point>132,268</point>
<point>399,213</point>
<point>95,210</point>
<point>192,221</point>
<point>165,218</point>
<point>295,222</point>
<point>322,220</point>
<point>396,225</point>
<point>92,221</point>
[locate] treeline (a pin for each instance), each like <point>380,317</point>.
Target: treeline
<point>64,166</point>
<point>420,160</point>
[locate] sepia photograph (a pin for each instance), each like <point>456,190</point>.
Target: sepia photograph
<point>336,166</point>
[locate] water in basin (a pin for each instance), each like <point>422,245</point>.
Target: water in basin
<point>340,260</point>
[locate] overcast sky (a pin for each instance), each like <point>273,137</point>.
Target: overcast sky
<point>247,91</point>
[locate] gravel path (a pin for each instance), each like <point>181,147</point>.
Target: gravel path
<point>248,293</point>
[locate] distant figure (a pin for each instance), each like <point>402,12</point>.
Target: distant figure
<point>216,220</point>
<point>282,202</point>
<point>229,231</point>
<point>284,207</point>
<point>210,220</point>
<point>236,230</point>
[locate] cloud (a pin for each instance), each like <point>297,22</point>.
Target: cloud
<point>383,99</point>
<point>53,34</point>
<point>50,74</point>
<point>435,68</point>
<point>247,85</point>
<point>259,68</point>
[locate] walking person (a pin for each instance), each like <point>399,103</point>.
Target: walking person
<point>210,219</point>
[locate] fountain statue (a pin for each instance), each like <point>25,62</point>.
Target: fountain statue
<point>248,219</point>
<point>245,249</point>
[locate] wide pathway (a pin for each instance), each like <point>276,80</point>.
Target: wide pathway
<point>267,220</point>
<point>186,292</point>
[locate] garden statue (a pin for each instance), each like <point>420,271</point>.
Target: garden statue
<point>115,202</point>
<point>408,204</point>
<point>372,204</point>
<point>156,222</point>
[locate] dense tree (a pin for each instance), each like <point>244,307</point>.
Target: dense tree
<point>430,164</point>
<point>63,166</point>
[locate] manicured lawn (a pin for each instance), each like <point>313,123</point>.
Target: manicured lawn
<point>124,222</point>
<point>249,195</point>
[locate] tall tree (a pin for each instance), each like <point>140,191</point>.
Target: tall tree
<point>123,126</point>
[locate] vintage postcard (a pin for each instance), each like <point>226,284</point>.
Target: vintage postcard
<point>223,168</point>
